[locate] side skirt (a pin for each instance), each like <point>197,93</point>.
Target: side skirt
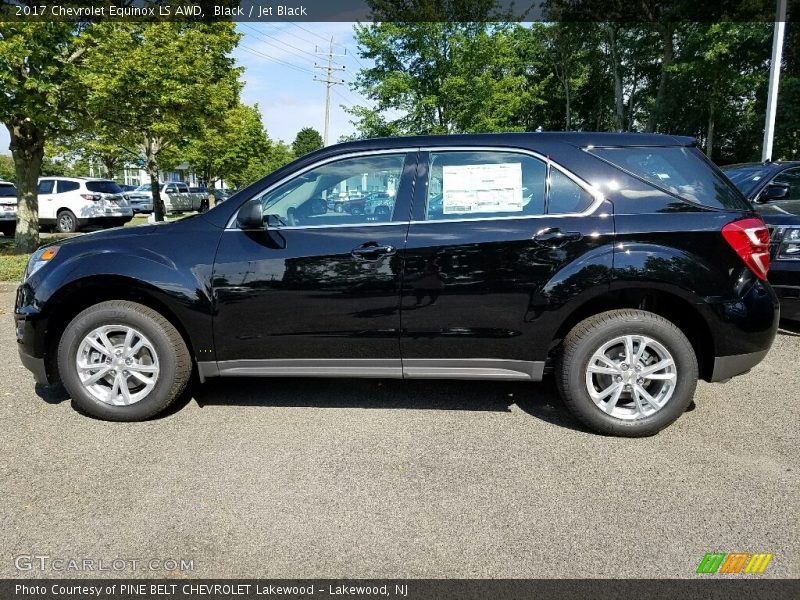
<point>414,368</point>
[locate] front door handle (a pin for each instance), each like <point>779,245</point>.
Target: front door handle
<point>372,251</point>
<point>554,237</point>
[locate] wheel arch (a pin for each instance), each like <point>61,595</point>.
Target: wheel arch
<point>83,293</point>
<point>668,304</point>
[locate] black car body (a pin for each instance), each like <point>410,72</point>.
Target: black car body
<point>774,190</point>
<point>505,256</point>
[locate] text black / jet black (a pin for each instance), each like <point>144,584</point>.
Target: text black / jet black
<point>626,264</point>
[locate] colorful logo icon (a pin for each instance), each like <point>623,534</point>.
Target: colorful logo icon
<point>734,562</point>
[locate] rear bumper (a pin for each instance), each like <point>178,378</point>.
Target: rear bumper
<point>726,367</point>
<point>784,276</point>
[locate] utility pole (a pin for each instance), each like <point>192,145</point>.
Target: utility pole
<point>774,79</point>
<point>329,82</point>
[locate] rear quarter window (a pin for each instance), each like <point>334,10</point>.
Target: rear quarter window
<point>103,187</point>
<point>678,170</point>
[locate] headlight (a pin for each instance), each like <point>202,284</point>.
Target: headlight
<point>790,244</point>
<point>39,259</point>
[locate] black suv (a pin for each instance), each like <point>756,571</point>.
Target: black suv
<point>625,264</point>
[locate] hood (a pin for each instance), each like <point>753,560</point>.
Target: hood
<point>109,234</point>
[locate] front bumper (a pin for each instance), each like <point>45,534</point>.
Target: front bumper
<point>34,365</point>
<point>784,276</point>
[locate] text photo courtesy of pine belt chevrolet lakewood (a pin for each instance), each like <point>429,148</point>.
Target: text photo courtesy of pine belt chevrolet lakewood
<point>625,265</point>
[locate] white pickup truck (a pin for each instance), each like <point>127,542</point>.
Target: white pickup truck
<point>174,194</point>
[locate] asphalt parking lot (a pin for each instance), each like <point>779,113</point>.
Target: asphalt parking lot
<point>345,478</point>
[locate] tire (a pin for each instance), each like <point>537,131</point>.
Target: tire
<point>8,230</point>
<point>604,336</point>
<point>382,213</point>
<point>356,211</point>
<point>169,366</point>
<point>66,222</point>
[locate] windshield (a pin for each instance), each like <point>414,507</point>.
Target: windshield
<point>145,187</point>
<point>7,190</point>
<point>745,178</point>
<point>103,187</point>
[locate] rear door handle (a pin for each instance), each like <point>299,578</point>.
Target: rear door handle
<point>554,237</point>
<point>372,251</point>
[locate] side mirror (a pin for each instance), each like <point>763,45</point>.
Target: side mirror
<point>774,191</point>
<point>251,215</point>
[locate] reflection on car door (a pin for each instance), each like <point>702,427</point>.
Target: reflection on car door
<point>490,230</point>
<point>316,289</point>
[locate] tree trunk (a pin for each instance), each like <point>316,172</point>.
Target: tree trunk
<point>209,188</point>
<point>110,164</point>
<point>710,131</point>
<point>667,31</point>
<point>568,116</point>
<point>151,164</point>
<point>619,101</point>
<point>27,149</point>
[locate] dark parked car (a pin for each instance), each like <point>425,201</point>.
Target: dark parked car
<point>626,265</point>
<point>774,190</point>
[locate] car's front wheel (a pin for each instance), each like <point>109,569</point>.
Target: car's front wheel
<point>627,372</point>
<point>123,361</point>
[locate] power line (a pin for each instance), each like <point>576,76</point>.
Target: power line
<point>309,31</point>
<point>261,33</point>
<point>272,58</point>
<point>289,52</point>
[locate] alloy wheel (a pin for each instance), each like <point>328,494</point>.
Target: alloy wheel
<point>631,377</point>
<point>117,364</point>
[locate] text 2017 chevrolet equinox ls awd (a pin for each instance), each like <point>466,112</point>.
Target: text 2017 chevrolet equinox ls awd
<point>626,264</point>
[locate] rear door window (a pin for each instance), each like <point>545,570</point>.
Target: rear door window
<point>103,187</point>
<point>484,184</point>
<point>183,188</point>
<point>46,186</point>
<point>66,186</point>
<point>678,170</point>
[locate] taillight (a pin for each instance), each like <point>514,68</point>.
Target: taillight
<point>93,197</point>
<point>750,240</point>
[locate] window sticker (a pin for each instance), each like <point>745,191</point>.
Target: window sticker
<point>488,188</point>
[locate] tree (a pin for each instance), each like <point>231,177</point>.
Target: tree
<point>308,139</point>
<point>39,100</point>
<point>229,148</point>
<point>159,83</point>
<point>7,171</point>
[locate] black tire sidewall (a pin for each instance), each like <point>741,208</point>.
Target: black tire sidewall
<point>663,332</point>
<point>159,397</point>
<point>74,222</point>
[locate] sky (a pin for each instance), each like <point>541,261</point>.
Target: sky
<point>279,60</point>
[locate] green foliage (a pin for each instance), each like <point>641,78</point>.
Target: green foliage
<point>307,140</point>
<point>7,172</point>
<point>158,84</point>
<point>226,147</point>
<point>707,80</point>
<point>39,98</point>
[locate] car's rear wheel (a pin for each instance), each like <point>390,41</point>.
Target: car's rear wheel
<point>122,361</point>
<point>8,229</point>
<point>66,222</point>
<point>627,372</point>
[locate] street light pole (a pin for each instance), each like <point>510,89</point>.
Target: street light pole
<point>774,80</point>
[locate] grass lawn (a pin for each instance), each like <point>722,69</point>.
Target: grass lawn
<point>11,265</point>
<point>137,220</point>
